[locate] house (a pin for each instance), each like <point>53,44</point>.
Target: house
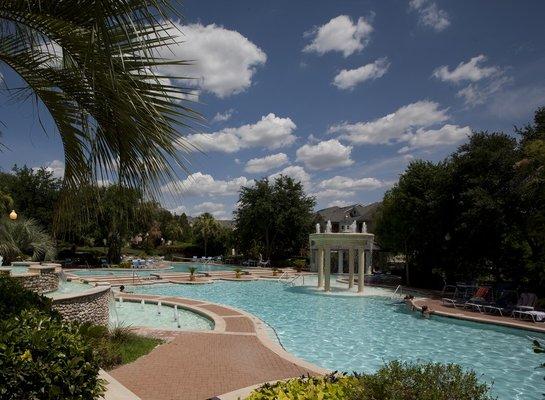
<point>342,217</point>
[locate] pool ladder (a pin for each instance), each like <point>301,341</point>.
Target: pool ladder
<point>398,289</point>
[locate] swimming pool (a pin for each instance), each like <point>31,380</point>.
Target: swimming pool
<point>151,315</point>
<point>176,267</point>
<point>352,333</point>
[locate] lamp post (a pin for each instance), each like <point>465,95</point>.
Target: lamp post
<point>13,215</point>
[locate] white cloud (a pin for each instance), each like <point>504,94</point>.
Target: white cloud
<point>392,127</point>
<point>447,135</point>
<point>347,79</point>
<point>325,155</point>
<point>296,172</point>
<point>223,60</point>
<point>216,209</point>
<point>340,34</point>
<point>430,15</point>
<point>468,71</point>
<point>343,183</point>
<point>333,194</point>
<point>340,203</point>
<point>199,184</point>
<point>271,131</point>
<point>475,94</point>
<point>224,116</point>
<point>257,165</point>
<point>56,167</point>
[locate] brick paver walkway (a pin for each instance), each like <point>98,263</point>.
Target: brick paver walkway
<point>202,365</point>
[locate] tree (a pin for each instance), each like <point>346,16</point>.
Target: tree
<point>274,218</point>
<point>34,193</point>
<point>205,228</point>
<point>93,66</point>
<point>24,237</point>
<point>478,215</point>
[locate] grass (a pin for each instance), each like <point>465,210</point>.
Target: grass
<point>135,346</point>
<point>118,346</point>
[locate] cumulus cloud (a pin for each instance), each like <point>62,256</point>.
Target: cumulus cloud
<point>345,183</point>
<point>466,71</point>
<point>446,135</point>
<point>271,132</point>
<point>199,184</point>
<point>340,203</point>
<point>348,79</point>
<point>224,116</point>
<point>56,167</point>
<point>257,165</point>
<point>216,209</point>
<point>340,34</point>
<point>296,172</point>
<point>223,61</point>
<point>325,155</point>
<point>392,127</point>
<point>430,15</point>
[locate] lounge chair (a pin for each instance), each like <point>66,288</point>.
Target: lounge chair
<point>525,307</point>
<point>504,304</point>
<point>479,299</point>
<point>461,295</point>
<point>264,263</point>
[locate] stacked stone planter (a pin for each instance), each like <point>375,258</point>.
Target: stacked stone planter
<point>90,306</point>
<point>39,278</point>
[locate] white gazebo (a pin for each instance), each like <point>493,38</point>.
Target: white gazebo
<point>357,244</point>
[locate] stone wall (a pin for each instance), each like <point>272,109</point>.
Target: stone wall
<point>89,306</point>
<point>39,279</point>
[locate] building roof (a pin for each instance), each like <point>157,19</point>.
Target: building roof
<point>354,212</point>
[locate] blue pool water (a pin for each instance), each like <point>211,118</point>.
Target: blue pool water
<point>176,267</point>
<point>351,333</point>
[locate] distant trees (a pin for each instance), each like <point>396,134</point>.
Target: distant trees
<point>274,218</point>
<point>479,214</point>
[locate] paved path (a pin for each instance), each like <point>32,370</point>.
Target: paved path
<point>202,365</point>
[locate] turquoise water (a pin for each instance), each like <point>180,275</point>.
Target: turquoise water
<point>136,314</point>
<point>176,267</point>
<point>69,287</point>
<point>351,333</point>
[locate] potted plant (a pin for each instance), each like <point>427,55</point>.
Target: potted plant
<point>192,271</point>
<point>238,272</point>
<point>275,271</point>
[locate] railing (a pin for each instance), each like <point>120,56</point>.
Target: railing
<point>284,274</point>
<point>398,289</point>
<point>292,282</point>
<point>135,274</point>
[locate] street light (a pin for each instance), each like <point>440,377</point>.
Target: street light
<point>13,215</point>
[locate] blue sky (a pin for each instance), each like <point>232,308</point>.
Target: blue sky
<point>339,94</point>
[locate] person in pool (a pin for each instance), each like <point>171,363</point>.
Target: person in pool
<point>122,289</point>
<point>425,311</point>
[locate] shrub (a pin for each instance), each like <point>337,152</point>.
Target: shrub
<point>43,358</point>
<point>14,299</point>
<point>409,381</point>
<point>330,387</point>
<point>394,381</point>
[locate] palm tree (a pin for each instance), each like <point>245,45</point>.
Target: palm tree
<point>206,227</point>
<point>93,65</point>
<point>24,237</point>
<point>6,202</point>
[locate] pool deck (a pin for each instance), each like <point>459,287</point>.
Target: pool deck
<point>438,308</point>
<point>238,353</point>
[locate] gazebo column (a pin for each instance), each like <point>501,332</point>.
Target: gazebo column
<point>341,261</point>
<point>320,264</point>
<point>327,268</point>
<point>350,267</point>
<point>361,268</point>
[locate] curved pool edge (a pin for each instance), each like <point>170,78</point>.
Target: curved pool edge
<point>220,324</point>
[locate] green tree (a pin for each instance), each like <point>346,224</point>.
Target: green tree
<point>274,218</point>
<point>93,66</point>
<point>34,193</point>
<point>24,238</point>
<point>205,228</point>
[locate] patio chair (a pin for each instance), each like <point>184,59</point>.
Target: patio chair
<point>461,295</point>
<point>264,263</point>
<point>479,299</point>
<point>504,304</point>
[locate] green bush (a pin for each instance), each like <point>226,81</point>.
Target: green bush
<point>394,381</point>
<point>43,358</point>
<point>409,381</point>
<point>330,387</point>
<point>14,299</point>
